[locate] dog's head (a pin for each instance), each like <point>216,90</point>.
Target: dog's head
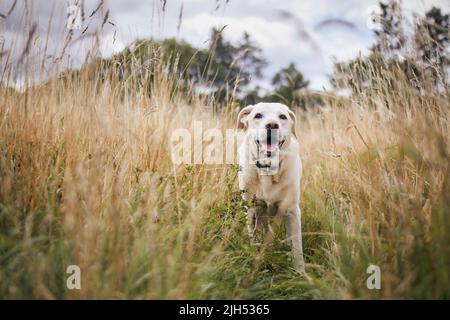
<point>269,126</point>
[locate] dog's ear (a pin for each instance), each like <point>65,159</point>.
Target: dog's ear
<point>241,119</point>
<point>294,122</point>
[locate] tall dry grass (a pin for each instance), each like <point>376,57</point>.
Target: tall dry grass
<point>86,179</point>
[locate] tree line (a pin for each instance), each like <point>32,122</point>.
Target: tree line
<point>227,70</point>
<point>422,59</point>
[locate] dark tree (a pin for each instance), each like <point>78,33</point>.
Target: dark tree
<point>432,38</point>
<point>390,38</point>
<point>229,68</point>
<point>291,88</point>
<point>287,85</point>
<point>224,68</point>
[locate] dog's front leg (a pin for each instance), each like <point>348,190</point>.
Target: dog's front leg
<point>294,236</point>
<point>256,218</point>
<point>251,221</point>
<point>250,210</point>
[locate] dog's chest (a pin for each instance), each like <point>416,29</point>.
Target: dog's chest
<point>269,190</point>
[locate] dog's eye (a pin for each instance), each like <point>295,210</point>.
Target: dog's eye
<point>258,116</point>
<point>282,117</point>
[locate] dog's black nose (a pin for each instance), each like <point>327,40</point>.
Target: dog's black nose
<point>272,125</point>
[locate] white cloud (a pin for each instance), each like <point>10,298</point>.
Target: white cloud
<point>264,33</point>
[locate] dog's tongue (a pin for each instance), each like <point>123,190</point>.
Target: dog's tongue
<point>270,148</point>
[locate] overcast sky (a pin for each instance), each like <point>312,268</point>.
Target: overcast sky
<point>278,35</point>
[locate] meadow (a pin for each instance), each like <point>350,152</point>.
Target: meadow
<point>86,179</point>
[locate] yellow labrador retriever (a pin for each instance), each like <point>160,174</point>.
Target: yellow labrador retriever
<point>270,170</point>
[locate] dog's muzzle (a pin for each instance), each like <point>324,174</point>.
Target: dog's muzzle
<point>272,144</point>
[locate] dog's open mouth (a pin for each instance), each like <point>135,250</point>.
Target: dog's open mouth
<point>270,146</point>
